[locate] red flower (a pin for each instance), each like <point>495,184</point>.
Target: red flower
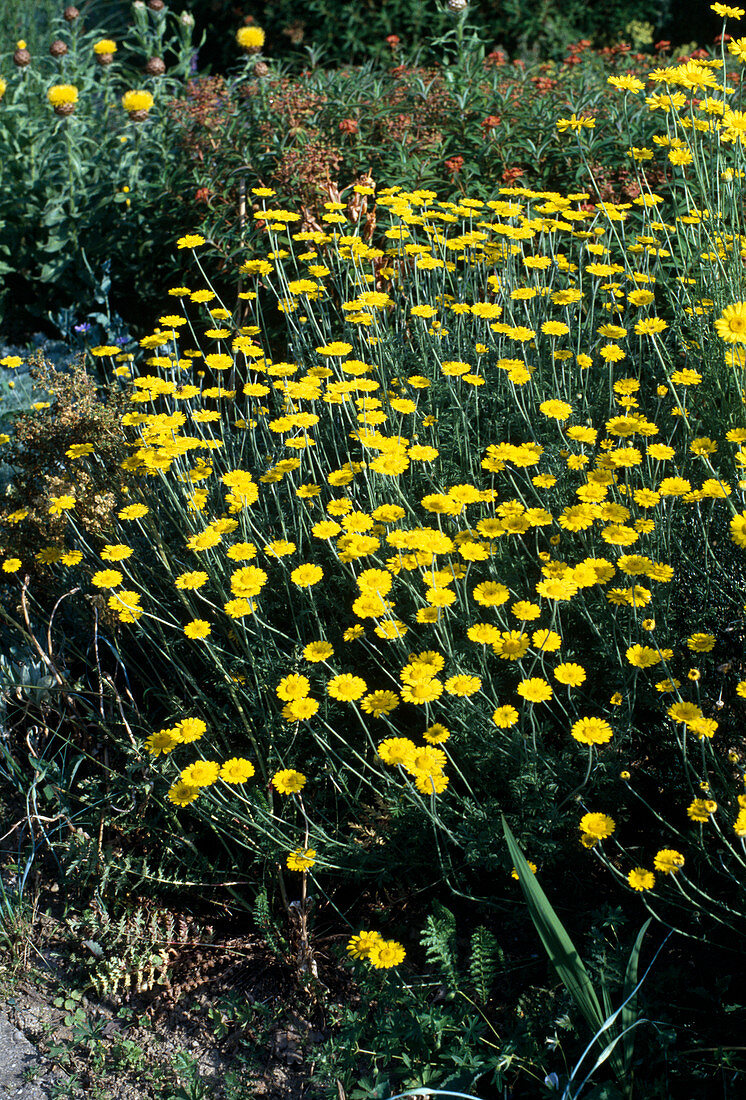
<point>393,40</point>
<point>348,126</point>
<point>454,165</point>
<point>491,122</point>
<point>496,58</point>
<point>510,175</point>
<point>202,194</point>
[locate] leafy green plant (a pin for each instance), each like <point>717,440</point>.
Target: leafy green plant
<point>486,959</point>
<point>438,941</point>
<point>34,22</point>
<point>97,188</point>
<point>16,917</point>
<point>417,1043</point>
<point>191,1085</point>
<point>613,1030</point>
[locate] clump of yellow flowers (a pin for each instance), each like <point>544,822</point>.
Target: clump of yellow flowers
<point>474,523</point>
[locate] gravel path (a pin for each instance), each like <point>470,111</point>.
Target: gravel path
<point>19,1060</point>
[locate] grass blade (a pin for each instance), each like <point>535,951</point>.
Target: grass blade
<point>630,981</point>
<point>557,944</point>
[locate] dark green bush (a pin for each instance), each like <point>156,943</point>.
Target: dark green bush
<point>349,33</point>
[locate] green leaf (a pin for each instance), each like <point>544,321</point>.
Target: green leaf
<point>557,944</point>
<point>55,244</point>
<point>438,938</point>
<point>629,1014</point>
<point>484,962</point>
<point>52,271</point>
<point>54,215</point>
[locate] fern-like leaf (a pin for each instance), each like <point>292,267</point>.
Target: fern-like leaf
<point>265,921</point>
<point>485,961</point>
<point>438,939</point>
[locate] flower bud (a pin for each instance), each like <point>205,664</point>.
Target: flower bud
<point>70,14</point>
<point>22,57</point>
<point>58,48</point>
<point>156,5</point>
<point>455,7</point>
<point>155,66</point>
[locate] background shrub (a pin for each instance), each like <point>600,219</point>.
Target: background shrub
<point>350,33</point>
<point>99,193</point>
